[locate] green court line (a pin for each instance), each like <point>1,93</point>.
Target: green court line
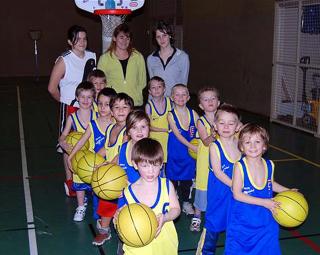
<point>294,155</point>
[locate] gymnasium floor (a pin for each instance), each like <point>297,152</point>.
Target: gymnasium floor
<point>36,216</point>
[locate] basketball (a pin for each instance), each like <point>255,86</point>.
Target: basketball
<point>75,160</point>
<point>87,164</point>
<point>136,225</point>
<point>72,139</point>
<point>195,142</point>
<point>108,181</point>
<point>293,208</point>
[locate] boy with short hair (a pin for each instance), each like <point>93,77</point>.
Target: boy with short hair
<point>224,153</point>
<point>157,109</point>
<point>99,81</point>
<point>181,166</point>
<point>157,193</point>
<point>208,102</point>
<point>121,106</point>
<point>78,121</point>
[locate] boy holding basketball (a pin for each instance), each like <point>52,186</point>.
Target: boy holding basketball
<point>157,109</point>
<point>95,132</point>
<point>250,216</point>
<point>155,192</point>
<point>209,102</point>
<point>223,153</point>
<point>181,166</point>
<point>78,121</point>
<point>121,106</point>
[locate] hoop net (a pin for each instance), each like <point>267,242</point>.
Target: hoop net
<point>109,23</point>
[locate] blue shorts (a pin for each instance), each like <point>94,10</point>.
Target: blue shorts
<point>81,187</point>
<point>200,200</point>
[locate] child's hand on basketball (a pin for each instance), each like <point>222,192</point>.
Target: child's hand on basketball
<point>102,164</point>
<point>194,148</point>
<point>66,146</point>
<point>161,221</point>
<point>271,205</point>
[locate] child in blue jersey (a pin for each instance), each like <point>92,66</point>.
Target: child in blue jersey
<point>223,153</point>
<point>251,228</point>
<point>181,166</point>
<point>157,193</point>
<point>78,121</point>
<point>99,81</point>
<point>137,128</point>
<point>121,106</point>
<point>157,109</point>
<point>209,102</point>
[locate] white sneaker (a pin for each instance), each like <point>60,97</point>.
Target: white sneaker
<point>187,208</point>
<point>80,213</point>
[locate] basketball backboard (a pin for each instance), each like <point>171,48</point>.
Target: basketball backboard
<point>93,5</point>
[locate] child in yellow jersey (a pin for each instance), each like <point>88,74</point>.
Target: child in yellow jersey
<point>99,81</point>
<point>79,121</point>
<point>157,109</point>
<point>120,106</point>
<point>209,102</point>
<point>157,193</point>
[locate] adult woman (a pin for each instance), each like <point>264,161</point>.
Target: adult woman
<point>71,68</point>
<point>124,66</point>
<point>168,62</point>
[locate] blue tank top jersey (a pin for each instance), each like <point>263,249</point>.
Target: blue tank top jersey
<point>251,228</point>
<point>180,165</point>
<point>219,195</point>
<point>98,136</point>
<point>131,172</point>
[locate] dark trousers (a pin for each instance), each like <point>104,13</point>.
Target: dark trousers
<point>183,188</point>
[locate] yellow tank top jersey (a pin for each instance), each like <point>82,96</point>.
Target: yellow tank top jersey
<point>167,241</point>
<point>77,126</point>
<point>203,160</point>
<point>160,121</point>
<point>112,150</point>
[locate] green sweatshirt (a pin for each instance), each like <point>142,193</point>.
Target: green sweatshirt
<point>135,79</point>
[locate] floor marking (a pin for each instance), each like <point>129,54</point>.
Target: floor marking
<point>27,195</point>
<point>306,240</point>
<point>294,155</point>
<point>285,159</point>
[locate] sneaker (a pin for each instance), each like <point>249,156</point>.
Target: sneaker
<point>195,224</point>
<point>68,188</point>
<point>101,238</point>
<point>187,208</point>
<point>80,213</point>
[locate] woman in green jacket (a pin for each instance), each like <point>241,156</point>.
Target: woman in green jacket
<point>124,66</point>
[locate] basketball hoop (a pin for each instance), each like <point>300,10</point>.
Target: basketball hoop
<point>110,19</point>
<point>112,14</point>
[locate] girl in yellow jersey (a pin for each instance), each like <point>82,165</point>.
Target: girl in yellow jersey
<point>209,102</point>
<point>157,193</point>
<point>157,109</point>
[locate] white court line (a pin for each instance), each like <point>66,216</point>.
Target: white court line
<point>27,195</point>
